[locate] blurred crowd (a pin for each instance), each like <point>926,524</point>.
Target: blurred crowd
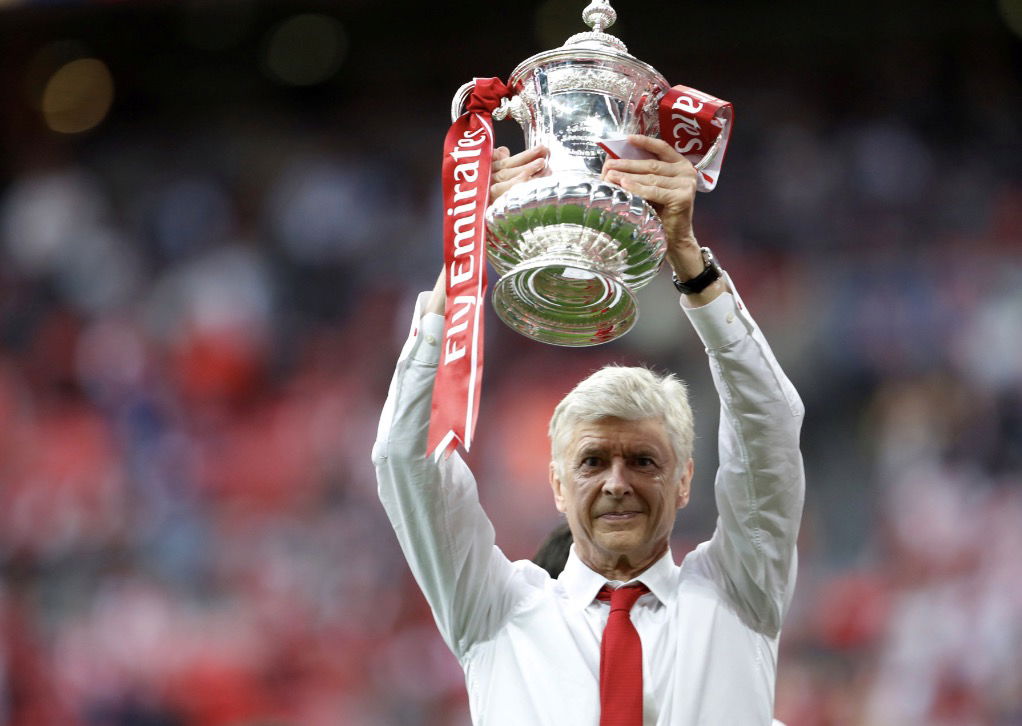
<point>196,335</point>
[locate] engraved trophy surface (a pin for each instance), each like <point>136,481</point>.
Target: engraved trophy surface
<point>571,248</point>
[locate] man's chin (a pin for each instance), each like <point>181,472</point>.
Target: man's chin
<point>620,541</point>
<point>630,528</point>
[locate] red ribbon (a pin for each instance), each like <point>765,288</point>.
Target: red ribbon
<point>468,149</point>
<point>691,121</point>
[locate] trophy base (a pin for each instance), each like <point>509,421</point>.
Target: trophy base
<point>554,299</point>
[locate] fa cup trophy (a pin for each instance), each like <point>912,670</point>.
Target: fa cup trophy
<point>571,248</point>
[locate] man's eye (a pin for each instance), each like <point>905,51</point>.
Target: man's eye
<point>591,461</point>
<point>644,462</point>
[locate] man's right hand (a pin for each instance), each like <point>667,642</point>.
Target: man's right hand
<point>508,170</point>
<point>438,299</point>
<point>505,172</point>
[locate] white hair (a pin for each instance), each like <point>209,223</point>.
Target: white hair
<point>628,393</point>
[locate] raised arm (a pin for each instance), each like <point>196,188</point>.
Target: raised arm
<point>433,507</point>
<point>760,483</point>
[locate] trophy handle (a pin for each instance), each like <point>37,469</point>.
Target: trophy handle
<point>499,114</point>
<point>714,149</point>
<point>460,96</point>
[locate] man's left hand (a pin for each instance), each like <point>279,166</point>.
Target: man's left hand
<point>668,183</point>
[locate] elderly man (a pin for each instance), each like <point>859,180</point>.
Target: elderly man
<point>624,635</point>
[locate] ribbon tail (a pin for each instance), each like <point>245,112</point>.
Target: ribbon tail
<point>468,151</point>
<point>445,447</point>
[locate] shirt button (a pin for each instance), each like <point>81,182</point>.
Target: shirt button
<point>730,317</point>
<point>431,340</point>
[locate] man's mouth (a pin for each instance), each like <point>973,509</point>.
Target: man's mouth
<point>619,516</point>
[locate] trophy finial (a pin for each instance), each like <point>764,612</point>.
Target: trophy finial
<point>599,15</point>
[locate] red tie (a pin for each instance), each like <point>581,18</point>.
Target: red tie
<point>621,660</point>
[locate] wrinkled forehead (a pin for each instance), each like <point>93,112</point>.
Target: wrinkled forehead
<point>613,433</point>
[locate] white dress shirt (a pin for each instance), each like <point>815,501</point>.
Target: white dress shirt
<point>530,644</point>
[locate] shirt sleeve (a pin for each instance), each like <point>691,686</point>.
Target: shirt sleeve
<point>760,483</point>
<point>434,506</point>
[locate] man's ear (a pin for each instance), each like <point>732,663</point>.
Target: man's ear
<point>555,484</point>
<point>685,482</point>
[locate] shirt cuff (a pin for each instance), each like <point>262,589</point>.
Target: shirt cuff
<point>719,323</point>
<point>426,348</point>
<point>424,334</point>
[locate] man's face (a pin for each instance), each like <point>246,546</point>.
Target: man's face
<point>620,486</point>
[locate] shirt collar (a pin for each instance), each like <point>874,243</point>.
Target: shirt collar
<point>582,584</point>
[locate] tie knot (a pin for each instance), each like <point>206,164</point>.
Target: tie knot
<point>622,598</point>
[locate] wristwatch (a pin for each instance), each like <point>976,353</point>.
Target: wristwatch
<point>711,273</point>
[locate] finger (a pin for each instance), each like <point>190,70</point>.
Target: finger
<point>644,166</point>
<point>654,173</point>
<point>653,190</point>
<point>524,174</point>
<point>529,154</point>
<point>507,173</point>
<point>500,153</point>
<point>524,157</point>
<point>519,159</point>
<point>655,146</point>
<point>660,181</point>
<point>655,195</point>
<point>498,190</point>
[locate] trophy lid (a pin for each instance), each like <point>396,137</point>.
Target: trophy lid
<point>594,45</point>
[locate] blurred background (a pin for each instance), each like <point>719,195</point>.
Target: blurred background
<point>214,218</point>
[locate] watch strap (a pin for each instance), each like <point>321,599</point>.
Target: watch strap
<point>710,274</point>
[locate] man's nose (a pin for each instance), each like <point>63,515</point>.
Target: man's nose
<point>616,482</point>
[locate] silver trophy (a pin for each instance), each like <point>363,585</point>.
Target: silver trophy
<point>571,248</point>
